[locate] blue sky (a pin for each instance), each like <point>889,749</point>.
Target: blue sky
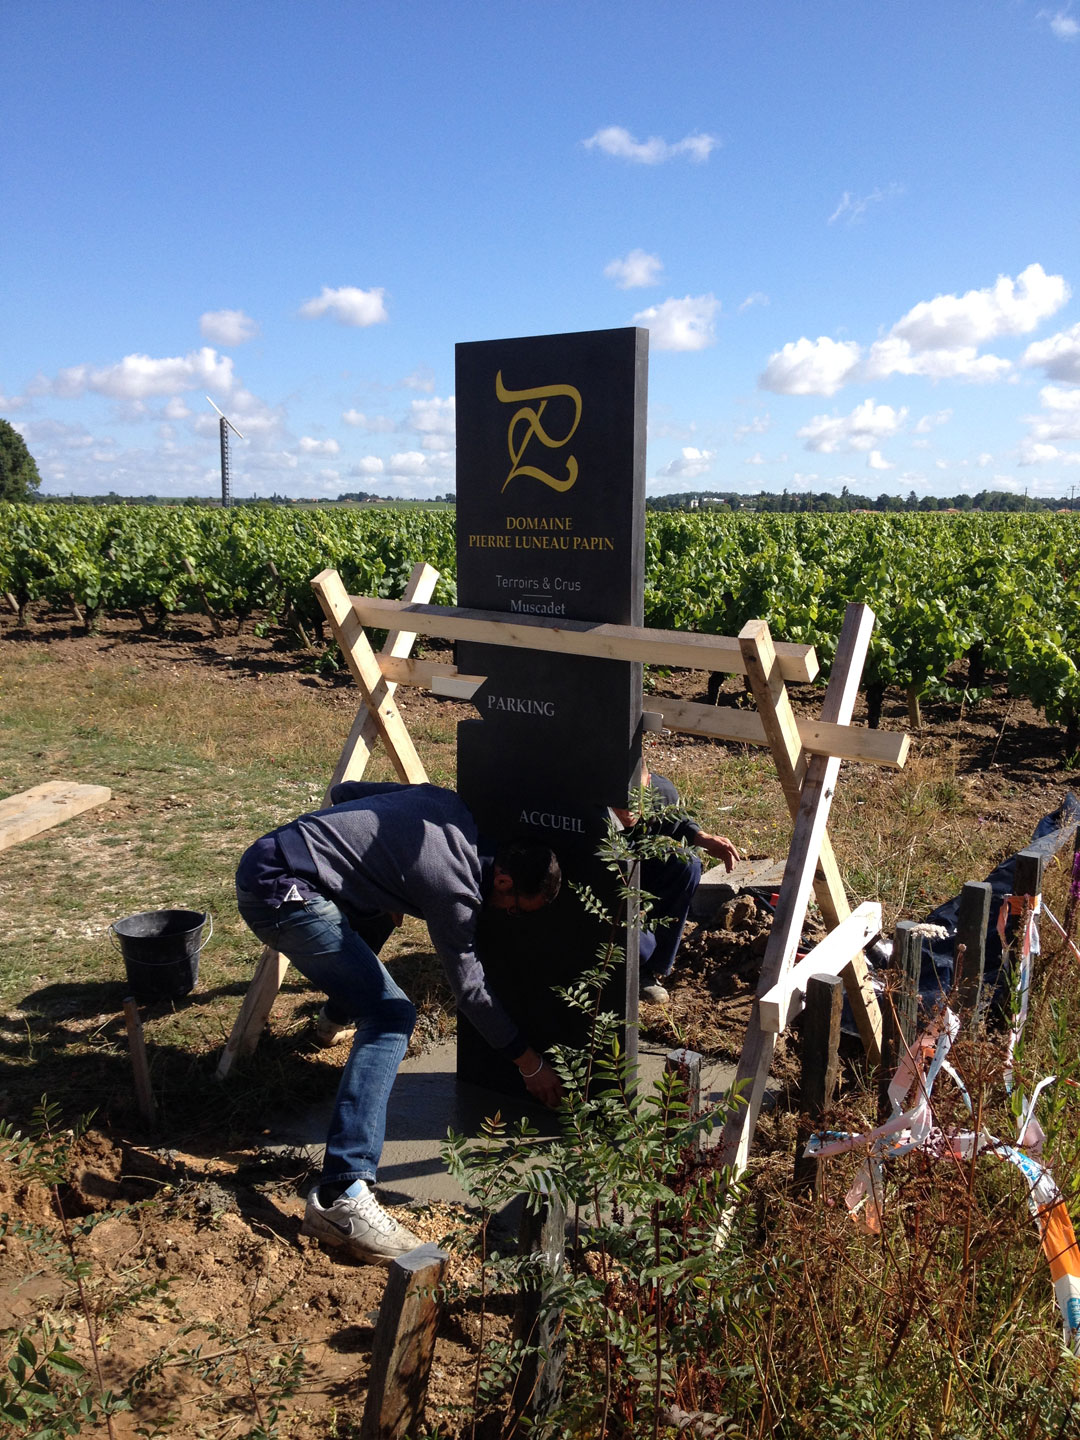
<point>851,226</point>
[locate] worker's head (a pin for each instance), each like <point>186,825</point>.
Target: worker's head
<point>527,877</point>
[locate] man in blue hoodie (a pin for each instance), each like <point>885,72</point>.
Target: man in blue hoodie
<point>325,891</point>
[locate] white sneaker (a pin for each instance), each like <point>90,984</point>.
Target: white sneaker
<point>656,993</point>
<point>359,1224</point>
<point>332,1032</point>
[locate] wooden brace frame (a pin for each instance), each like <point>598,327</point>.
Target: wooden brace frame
<point>807,755</point>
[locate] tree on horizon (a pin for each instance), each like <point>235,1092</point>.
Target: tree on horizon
<point>19,478</point>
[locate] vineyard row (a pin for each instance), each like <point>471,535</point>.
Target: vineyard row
<point>1001,592</point>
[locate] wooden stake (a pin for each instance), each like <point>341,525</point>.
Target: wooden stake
<point>403,1346</point>
<point>688,1063</point>
<point>820,1069</point>
<point>140,1066</point>
<point>538,1386</point>
<point>901,1009</point>
<point>972,923</point>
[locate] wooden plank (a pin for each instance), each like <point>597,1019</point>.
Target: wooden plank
<point>364,666</point>
<point>403,1346</point>
<point>820,1070</point>
<point>31,811</point>
<point>356,752</point>
<point>815,802</point>
<point>579,637</point>
<point>888,748</point>
<point>255,1011</point>
<point>781,1003</point>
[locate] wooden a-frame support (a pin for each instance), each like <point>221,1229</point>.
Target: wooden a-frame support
<point>807,756</point>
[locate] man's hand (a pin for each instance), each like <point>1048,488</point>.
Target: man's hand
<point>540,1079</point>
<point>720,847</point>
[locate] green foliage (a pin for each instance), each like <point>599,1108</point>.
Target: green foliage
<point>19,478</point>
<point>941,586</point>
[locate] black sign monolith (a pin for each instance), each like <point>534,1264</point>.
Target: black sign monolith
<point>550,522</point>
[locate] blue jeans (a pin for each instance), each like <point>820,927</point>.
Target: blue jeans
<point>672,880</point>
<point>324,947</point>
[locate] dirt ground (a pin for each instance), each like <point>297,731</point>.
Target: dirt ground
<point>225,1286</point>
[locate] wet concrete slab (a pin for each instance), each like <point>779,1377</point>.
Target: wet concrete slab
<point>427,1100</point>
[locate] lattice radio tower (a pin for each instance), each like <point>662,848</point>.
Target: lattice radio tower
<point>225,425</point>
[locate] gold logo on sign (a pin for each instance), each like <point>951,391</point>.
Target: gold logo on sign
<point>518,441</point>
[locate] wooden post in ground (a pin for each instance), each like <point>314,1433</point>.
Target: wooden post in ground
<point>538,1386</point>
<point>140,1066</point>
<point>687,1063</point>
<point>403,1346</point>
<point>815,801</point>
<point>820,1069</point>
<point>1027,877</point>
<point>972,923</point>
<point>901,1008</point>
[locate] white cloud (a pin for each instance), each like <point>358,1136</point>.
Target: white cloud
<point>227,327</point>
<point>409,462</point>
<point>938,339</point>
<point>311,446</point>
<point>137,376</point>
<point>369,465</point>
<point>686,324</point>
<point>1034,452</point>
<point>434,421</point>
<point>928,422</point>
<point>688,466</point>
<point>1008,307</point>
<point>177,409</point>
<point>373,424</point>
<point>8,403</point>
<point>348,306</point>
<point>759,425</point>
<point>894,356</point>
<point>57,433</point>
<point>1060,418</point>
<point>861,430</point>
<point>984,460</point>
<point>635,270</point>
<point>811,367</point>
<point>420,379</point>
<point>758,297</point>
<point>614,140</point>
<point>876,461</point>
<point>1058,355</point>
<point>1061,23</point>
<point>854,207</point>
<point>756,459</point>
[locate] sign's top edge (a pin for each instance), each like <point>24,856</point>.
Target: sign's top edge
<point>635,330</point>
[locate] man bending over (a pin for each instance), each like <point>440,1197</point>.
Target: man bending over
<point>325,891</point>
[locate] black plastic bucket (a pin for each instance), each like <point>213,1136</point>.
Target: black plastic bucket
<point>161,951</point>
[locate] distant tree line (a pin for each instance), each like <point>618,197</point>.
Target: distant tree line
<point>808,503</point>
